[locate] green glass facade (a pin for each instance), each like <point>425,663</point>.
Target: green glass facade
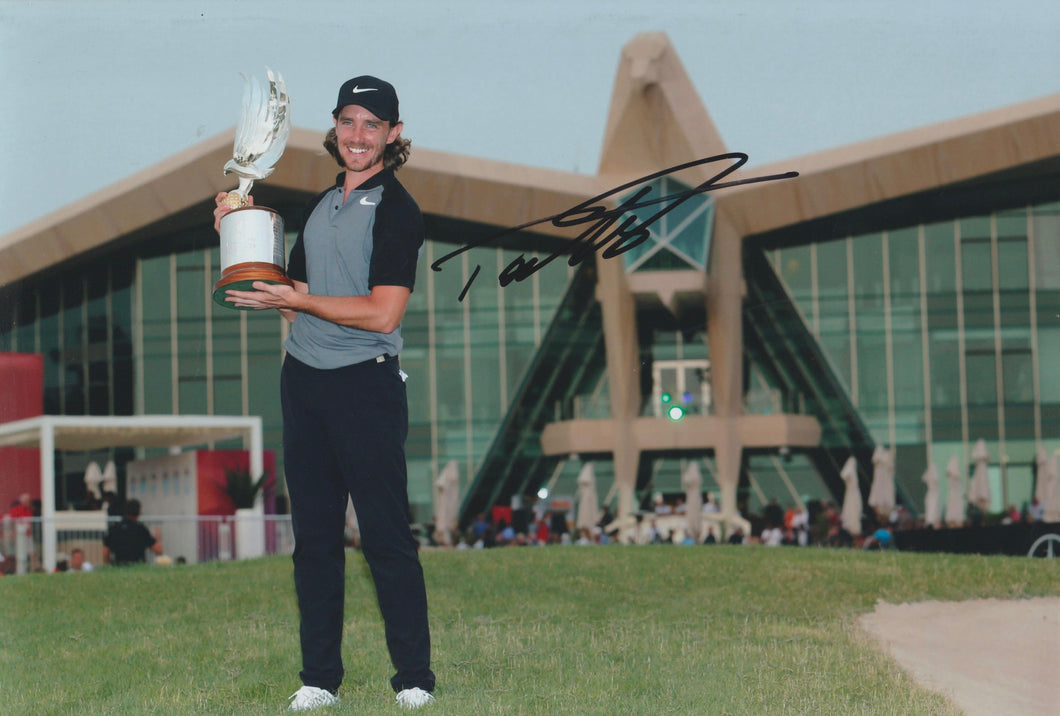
<point>680,238</point>
<point>139,334</point>
<point>943,334</point>
<point>466,359</point>
<point>940,334</point>
<point>80,321</point>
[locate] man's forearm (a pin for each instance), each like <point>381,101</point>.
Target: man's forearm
<point>368,313</point>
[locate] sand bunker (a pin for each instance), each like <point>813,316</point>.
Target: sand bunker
<point>990,656</point>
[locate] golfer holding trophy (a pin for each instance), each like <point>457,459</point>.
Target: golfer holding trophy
<point>342,390</point>
<point>252,242</point>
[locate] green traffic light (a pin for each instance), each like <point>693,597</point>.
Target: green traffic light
<point>675,413</point>
<point>666,397</point>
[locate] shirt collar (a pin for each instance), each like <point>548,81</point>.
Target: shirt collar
<point>373,181</point>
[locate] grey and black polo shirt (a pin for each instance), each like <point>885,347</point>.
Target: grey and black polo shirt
<point>345,249</point>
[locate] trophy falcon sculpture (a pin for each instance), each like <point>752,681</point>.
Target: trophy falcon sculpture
<point>261,136</point>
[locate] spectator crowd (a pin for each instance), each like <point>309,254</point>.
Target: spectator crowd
<point>811,523</point>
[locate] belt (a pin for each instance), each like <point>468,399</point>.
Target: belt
<point>387,358</point>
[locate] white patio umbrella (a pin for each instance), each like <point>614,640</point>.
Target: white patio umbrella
<point>93,477</point>
<point>588,504</point>
<point>351,521</point>
<point>110,477</point>
<point>881,495</point>
<point>955,494</point>
<point>932,506</point>
<point>692,482</point>
<point>979,491</point>
<point>452,475</point>
<point>446,502</point>
<point>1048,488</point>
<point>851,513</point>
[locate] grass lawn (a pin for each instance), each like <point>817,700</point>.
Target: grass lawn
<point>539,630</point>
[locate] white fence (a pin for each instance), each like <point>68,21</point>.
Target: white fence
<point>185,539</point>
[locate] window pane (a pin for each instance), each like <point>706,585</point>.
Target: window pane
<point>979,310</point>
<point>1012,268</point>
<point>191,333</point>
<point>834,328</point>
<point>868,270</point>
<point>1049,375</point>
<point>154,292</point>
<point>982,377</point>
<point>49,346</point>
<point>1046,226</point>
<point>945,371</point>
<point>903,254</point>
<point>908,372</point>
<point>794,269</point>
<point>941,267</point>
<point>976,269</point>
<point>1017,376</point>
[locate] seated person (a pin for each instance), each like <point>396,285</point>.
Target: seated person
<point>127,541</point>
<point>78,563</point>
<point>880,539</point>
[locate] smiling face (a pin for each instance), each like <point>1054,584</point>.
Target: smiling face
<point>361,138</point>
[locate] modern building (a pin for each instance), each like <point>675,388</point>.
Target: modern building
<point>676,306</point>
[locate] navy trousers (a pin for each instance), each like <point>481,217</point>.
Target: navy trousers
<point>344,432</point>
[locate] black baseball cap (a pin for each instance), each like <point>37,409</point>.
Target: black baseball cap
<point>372,93</point>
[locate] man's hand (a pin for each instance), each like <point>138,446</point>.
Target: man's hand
<point>265,295</point>
<point>223,209</point>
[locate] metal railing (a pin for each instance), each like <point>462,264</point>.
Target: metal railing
<point>185,539</point>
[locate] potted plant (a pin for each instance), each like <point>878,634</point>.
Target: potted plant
<point>241,488</point>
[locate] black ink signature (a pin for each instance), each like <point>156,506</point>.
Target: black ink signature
<point>602,232</point>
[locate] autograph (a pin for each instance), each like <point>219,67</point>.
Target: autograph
<point>602,232</point>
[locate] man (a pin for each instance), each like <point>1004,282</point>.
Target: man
<point>126,542</point>
<point>345,410</point>
<point>22,508</point>
<point>78,563</point>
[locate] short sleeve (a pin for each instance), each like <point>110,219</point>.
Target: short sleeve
<point>398,236</point>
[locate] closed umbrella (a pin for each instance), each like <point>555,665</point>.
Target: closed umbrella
<point>93,478</point>
<point>932,506</point>
<point>851,514</point>
<point>452,478</point>
<point>110,477</point>
<point>979,492</point>
<point>588,505</point>
<point>881,495</point>
<point>441,512</point>
<point>352,524</point>
<point>446,505</point>
<point>692,482</point>
<point>1048,488</point>
<point>955,493</point>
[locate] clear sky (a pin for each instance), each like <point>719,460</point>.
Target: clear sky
<point>93,90</point>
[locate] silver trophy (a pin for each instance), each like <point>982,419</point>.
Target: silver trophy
<point>252,244</point>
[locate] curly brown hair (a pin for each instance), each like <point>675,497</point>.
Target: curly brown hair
<point>394,155</point>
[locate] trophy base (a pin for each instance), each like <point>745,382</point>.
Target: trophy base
<point>241,277</point>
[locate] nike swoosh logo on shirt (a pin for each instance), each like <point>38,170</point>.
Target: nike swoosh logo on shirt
<point>358,90</point>
<point>364,200</point>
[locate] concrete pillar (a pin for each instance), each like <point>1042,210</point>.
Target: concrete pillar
<point>623,372</point>
<point>725,290</point>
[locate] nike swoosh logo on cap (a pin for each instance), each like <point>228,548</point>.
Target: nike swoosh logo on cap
<point>364,200</point>
<point>358,90</point>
